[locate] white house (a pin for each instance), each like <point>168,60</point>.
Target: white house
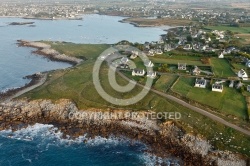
<point>242,74</point>
<point>221,55</point>
<point>200,83</point>
<point>168,47</point>
<point>231,85</point>
<point>187,47</point>
<point>151,52</point>
<point>159,51</point>
<point>217,88</point>
<point>248,88</point>
<point>138,72</point>
<point>182,66</point>
<point>248,64</point>
<point>135,53</point>
<point>123,66</point>
<point>133,56</point>
<point>124,60</point>
<point>151,74</point>
<point>149,64</point>
<point>196,71</point>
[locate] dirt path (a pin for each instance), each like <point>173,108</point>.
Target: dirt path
<point>21,92</point>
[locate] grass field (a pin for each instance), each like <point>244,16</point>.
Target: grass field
<point>179,57</point>
<point>165,82</point>
<point>245,38</point>
<point>243,30</point>
<point>89,51</point>
<point>230,102</point>
<point>76,84</point>
<point>222,68</point>
<point>237,67</point>
<point>176,61</point>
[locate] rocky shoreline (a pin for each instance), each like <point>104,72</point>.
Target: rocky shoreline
<point>163,139</point>
<point>46,50</point>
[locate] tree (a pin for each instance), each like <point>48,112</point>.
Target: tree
<point>189,38</point>
<point>242,89</point>
<point>163,68</point>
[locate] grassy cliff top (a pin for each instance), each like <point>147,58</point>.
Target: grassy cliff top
<point>76,84</point>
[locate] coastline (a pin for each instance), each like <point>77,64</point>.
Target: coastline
<point>37,79</point>
<point>164,140</point>
<point>46,50</point>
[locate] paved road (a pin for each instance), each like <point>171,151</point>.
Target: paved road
<point>196,109</point>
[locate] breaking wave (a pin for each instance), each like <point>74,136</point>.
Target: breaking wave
<point>36,143</point>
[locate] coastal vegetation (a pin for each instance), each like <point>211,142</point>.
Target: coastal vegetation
<point>175,61</point>
<point>165,82</point>
<point>76,84</point>
<point>222,68</point>
<point>240,30</point>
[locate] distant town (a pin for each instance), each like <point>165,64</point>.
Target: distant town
<point>154,9</point>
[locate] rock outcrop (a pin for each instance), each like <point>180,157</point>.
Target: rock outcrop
<point>46,50</point>
<point>163,139</point>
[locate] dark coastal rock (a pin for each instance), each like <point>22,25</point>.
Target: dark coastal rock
<point>164,140</point>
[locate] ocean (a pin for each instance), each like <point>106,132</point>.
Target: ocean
<point>41,144</point>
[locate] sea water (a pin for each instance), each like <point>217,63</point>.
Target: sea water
<point>43,145</point>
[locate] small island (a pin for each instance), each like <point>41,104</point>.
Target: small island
<point>21,23</point>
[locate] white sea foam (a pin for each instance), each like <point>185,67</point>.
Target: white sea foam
<point>48,135</point>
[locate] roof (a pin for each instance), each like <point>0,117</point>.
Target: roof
<point>182,64</point>
<point>217,86</point>
<point>201,81</point>
<point>124,60</point>
<point>138,70</point>
<point>248,87</point>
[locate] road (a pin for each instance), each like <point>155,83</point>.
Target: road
<point>181,102</point>
<point>25,90</point>
<point>196,109</point>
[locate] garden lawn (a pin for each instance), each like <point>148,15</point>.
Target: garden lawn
<point>229,102</point>
<point>165,82</point>
<point>176,61</point>
<point>222,68</point>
